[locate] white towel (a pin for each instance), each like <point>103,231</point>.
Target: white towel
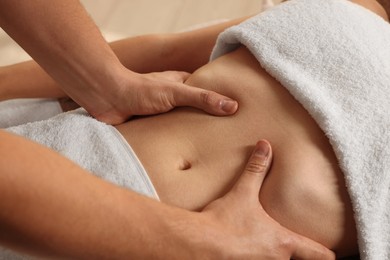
<point>95,146</point>
<point>334,57</point>
<point>20,111</point>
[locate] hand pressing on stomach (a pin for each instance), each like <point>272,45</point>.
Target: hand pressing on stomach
<point>246,225</point>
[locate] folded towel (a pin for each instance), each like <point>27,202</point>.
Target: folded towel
<point>95,146</point>
<point>333,56</point>
<point>20,111</point>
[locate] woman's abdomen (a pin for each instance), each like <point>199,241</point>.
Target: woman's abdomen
<point>193,158</point>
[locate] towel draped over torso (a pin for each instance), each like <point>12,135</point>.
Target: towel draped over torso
<point>333,56</point>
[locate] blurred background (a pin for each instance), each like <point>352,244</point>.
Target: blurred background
<point>123,18</point>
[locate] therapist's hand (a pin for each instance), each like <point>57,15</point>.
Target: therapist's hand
<point>249,233</point>
<point>154,93</point>
<point>63,39</point>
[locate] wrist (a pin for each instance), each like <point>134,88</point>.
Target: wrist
<point>154,230</point>
<point>110,95</point>
<point>97,87</point>
<point>195,236</point>
<point>174,233</point>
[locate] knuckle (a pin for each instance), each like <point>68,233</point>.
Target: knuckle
<point>286,243</point>
<point>158,100</point>
<point>206,97</point>
<point>169,101</point>
<point>169,93</point>
<point>256,166</point>
<point>282,246</point>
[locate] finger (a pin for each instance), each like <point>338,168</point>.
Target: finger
<point>305,248</point>
<point>250,182</point>
<point>208,101</point>
<point>176,76</point>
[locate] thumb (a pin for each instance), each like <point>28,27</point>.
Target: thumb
<point>206,100</point>
<point>256,169</point>
<point>309,249</point>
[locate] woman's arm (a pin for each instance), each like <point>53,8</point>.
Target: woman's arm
<point>185,51</point>
<point>67,44</point>
<point>27,80</point>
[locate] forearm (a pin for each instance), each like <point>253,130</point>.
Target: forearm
<point>185,51</point>
<point>63,39</point>
<point>51,207</point>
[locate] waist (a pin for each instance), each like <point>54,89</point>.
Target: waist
<point>193,158</point>
<point>187,143</point>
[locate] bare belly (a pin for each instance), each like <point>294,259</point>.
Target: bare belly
<point>193,158</point>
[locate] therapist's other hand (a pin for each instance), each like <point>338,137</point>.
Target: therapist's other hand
<point>250,233</point>
<point>154,93</point>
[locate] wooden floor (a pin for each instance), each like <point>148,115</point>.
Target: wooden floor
<point>121,18</point>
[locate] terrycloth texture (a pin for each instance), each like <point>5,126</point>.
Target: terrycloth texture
<point>20,111</point>
<point>7,254</point>
<point>334,57</point>
<point>95,146</point>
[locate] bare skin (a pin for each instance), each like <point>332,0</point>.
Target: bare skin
<point>304,190</point>
<point>67,44</point>
<point>308,201</point>
<point>25,80</point>
<point>386,6</point>
<point>380,7</point>
<point>93,212</point>
<point>310,197</point>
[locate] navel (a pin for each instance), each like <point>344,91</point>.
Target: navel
<point>185,165</point>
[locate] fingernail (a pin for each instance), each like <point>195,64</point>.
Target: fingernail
<point>228,106</point>
<point>262,149</point>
